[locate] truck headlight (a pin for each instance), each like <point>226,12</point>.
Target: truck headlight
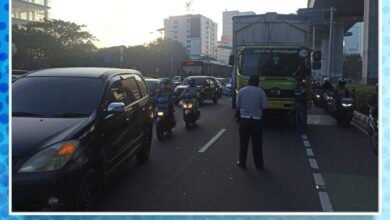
<point>50,158</point>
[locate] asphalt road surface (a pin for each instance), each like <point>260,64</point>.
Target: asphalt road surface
<point>331,169</point>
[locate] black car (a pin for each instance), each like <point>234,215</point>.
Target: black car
<point>207,87</point>
<point>71,128</point>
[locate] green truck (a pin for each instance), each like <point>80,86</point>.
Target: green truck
<point>274,47</point>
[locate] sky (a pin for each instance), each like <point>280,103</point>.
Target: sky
<point>135,22</point>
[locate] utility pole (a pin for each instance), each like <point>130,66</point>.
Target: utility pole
<point>330,43</point>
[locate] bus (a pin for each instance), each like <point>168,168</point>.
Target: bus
<point>205,68</point>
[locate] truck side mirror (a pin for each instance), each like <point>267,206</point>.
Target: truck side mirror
<point>231,60</point>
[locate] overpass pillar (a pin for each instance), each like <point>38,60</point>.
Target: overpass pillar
<point>370,48</point>
<point>335,55</point>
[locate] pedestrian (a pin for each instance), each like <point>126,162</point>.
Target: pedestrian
<point>251,101</point>
<point>301,106</point>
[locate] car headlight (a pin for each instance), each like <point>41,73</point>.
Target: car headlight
<point>160,113</point>
<point>50,158</point>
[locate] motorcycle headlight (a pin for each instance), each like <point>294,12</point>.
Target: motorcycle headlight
<point>187,105</point>
<point>346,104</point>
<point>50,158</point>
<point>317,96</point>
<point>160,113</point>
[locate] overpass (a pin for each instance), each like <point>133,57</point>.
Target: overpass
<point>330,20</point>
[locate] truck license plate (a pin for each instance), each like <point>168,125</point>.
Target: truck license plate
<point>275,104</point>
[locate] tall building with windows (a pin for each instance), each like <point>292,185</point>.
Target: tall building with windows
<point>25,11</point>
<point>196,33</point>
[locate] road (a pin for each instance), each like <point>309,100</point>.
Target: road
<point>331,169</point>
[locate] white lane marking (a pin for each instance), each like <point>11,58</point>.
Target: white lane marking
<point>325,202</point>
<point>304,137</point>
<point>309,152</point>
<point>313,163</point>
<point>211,141</point>
<point>318,179</point>
<point>306,143</point>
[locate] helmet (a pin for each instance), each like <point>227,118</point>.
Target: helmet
<point>326,80</point>
<point>341,82</point>
<point>165,83</point>
<point>191,81</point>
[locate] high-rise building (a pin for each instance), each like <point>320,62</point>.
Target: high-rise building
<point>227,25</point>
<point>354,44</point>
<point>196,33</point>
<point>223,52</point>
<point>25,11</point>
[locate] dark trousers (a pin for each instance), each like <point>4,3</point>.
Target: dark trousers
<point>251,129</point>
<point>301,117</point>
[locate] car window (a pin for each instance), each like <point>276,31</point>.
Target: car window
<point>115,92</point>
<point>142,86</point>
<point>130,87</point>
<point>55,96</point>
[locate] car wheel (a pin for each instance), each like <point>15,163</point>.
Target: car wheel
<point>88,193</point>
<point>215,100</point>
<point>144,153</point>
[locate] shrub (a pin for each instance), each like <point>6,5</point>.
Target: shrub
<point>362,95</point>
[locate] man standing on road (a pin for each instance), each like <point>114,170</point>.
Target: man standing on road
<point>301,107</point>
<point>251,100</point>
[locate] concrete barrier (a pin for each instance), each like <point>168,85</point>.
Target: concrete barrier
<point>360,120</point>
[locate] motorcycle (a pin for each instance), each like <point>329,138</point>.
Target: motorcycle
<point>164,121</point>
<point>329,102</point>
<point>345,111</point>
<point>317,97</point>
<point>190,111</point>
<point>373,127</point>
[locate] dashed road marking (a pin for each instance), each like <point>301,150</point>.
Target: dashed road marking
<point>211,141</point>
<point>325,202</point>
<point>313,163</point>
<point>309,152</point>
<point>319,181</point>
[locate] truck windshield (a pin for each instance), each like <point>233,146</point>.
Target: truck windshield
<point>269,62</point>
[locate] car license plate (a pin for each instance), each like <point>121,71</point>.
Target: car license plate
<point>275,104</point>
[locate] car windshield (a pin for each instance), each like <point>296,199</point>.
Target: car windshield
<point>58,97</point>
<point>267,62</point>
<point>198,81</point>
<point>176,78</point>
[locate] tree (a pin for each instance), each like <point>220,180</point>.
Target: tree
<point>352,68</point>
<point>53,43</point>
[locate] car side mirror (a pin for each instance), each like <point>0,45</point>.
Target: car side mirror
<point>116,107</point>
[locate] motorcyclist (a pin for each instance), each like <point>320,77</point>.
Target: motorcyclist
<point>341,91</point>
<point>327,86</point>
<point>166,91</point>
<point>191,91</point>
